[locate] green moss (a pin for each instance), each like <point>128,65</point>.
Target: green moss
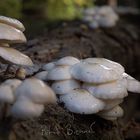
<point>65,9</point>
<point>11,8</point>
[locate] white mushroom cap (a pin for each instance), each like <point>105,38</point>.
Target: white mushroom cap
<point>117,111</point>
<point>112,90</point>
<point>109,104</point>
<point>67,61</point>
<point>6,94</point>
<point>82,102</point>
<point>25,109</point>
<point>108,63</point>
<point>132,84</point>
<point>93,73</point>
<point>13,83</point>
<point>64,86</point>
<point>49,66</point>
<point>59,73</point>
<point>36,91</point>
<point>41,75</point>
<point>12,22</point>
<point>12,56</point>
<point>9,34</point>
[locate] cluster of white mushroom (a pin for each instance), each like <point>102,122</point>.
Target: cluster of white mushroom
<point>11,31</point>
<point>100,17</point>
<point>27,98</point>
<point>90,86</point>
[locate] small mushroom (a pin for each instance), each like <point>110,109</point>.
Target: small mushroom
<point>9,34</point>
<point>64,86</point>
<point>59,73</point>
<point>25,109</point>
<point>93,73</point>
<point>112,113</point>
<point>12,56</point>
<point>12,22</point>
<point>82,102</point>
<point>67,61</point>
<point>35,90</point>
<point>112,90</point>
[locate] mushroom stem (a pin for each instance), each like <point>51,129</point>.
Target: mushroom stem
<point>4,111</point>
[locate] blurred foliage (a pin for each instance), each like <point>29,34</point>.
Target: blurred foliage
<point>10,8</point>
<point>50,9</point>
<point>66,9</point>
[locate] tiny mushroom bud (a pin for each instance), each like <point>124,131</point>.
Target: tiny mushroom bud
<point>21,73</point>
<point>12,22</point>
<point>49,66</point>
<point>82,102</point>
<point>25,109</point>
<point>6,94</point>
<point>36,91</point>
<point>67,61</point>
<point>59,73</point>
<point>112,90</point>
<point>64,86</point>
<point>12,56</point>
<point>41,75</point>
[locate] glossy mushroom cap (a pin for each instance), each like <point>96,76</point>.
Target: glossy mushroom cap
<point>112,90</point>
<point>12,22</point>
<point>12,56</point>
<point>82,102</point>
<point>9,34</point>
<point>105,62</point>
<point>67,61</point>
<point>64,86</point>
<point>59,73</point>
<point>36,91</point>
<point>93,73</point>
